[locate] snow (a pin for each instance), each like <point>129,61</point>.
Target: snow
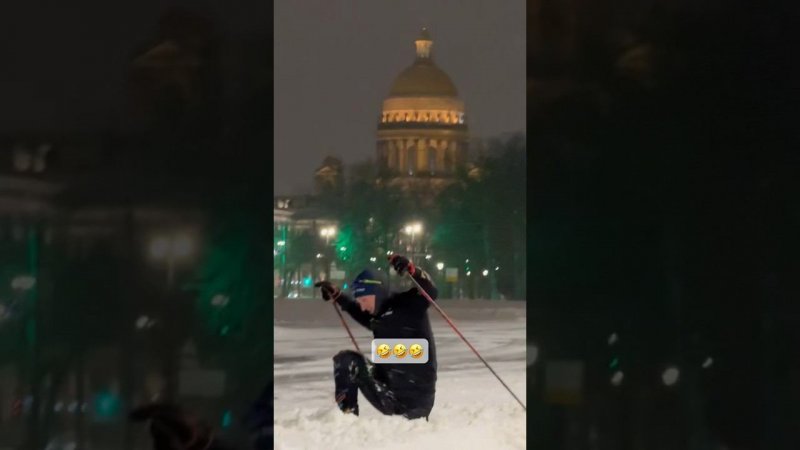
<point>472,411</point>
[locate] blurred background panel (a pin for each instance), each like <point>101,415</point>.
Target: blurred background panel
<point>135,150</point>
<point>661,235</point>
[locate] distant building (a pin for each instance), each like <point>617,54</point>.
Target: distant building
<point>329,178</point>
<point>422,134</point>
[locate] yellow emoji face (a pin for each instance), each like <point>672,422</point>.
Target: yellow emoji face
<point>383,351</point>
<point>400,351</point>
<point>415,351</point>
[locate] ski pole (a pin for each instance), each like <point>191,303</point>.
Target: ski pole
<point>341,317</point>
<point>453,326</point>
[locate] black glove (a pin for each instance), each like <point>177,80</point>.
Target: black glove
<point>329,291</point>
<point>402,265</point>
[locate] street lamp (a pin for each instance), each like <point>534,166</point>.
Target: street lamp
<point>412,229</point>
<point>617,377</point>
<point>440,265</point>
<point>171,249</point>
<point>670,376</point>
<point>23,282</point>
<point>327,233</point>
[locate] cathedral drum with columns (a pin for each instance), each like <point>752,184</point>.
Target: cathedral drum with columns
<point>422,130</point>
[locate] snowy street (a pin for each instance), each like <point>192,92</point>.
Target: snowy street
<point>473,410</point>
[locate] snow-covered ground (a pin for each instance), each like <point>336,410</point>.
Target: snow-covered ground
<point>472,411</point>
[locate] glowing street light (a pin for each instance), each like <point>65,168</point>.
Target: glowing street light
<point>144,322</point>
<point>220,300</point>
<point>171,248</point>
<point>327,233</point>
<point>617,377</point>
<point>23,282</point>
<point>670,376</point>
<point>485,272</point>
<point>413,229</point>
<point>373,259</point>
<point>440,265</point>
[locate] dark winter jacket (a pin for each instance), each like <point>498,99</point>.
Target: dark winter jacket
<point>402,315</point>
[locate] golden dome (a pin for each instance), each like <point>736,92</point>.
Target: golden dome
<point>423,78</point>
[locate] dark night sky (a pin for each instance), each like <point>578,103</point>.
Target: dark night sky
<point>335,62</point>
<point>64,65</point>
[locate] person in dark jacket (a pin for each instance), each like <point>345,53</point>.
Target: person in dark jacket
<point>393,389</point>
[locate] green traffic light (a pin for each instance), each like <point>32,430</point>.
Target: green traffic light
<point>614,363</point>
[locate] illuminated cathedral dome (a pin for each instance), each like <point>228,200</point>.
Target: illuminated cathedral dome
<point>423,78</point>
<point>422,129</point>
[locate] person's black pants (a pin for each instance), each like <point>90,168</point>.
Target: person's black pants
<point>351,373</point>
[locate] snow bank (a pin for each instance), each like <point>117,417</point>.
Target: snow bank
<point>472,411</point>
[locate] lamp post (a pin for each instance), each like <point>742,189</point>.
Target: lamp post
<point>327,233</point>
<point>413,229</point>
<point>171,249</point>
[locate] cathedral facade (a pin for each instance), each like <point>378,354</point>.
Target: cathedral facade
<point>422,136</point>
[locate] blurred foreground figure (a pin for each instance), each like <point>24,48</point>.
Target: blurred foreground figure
<point>172,429</point>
